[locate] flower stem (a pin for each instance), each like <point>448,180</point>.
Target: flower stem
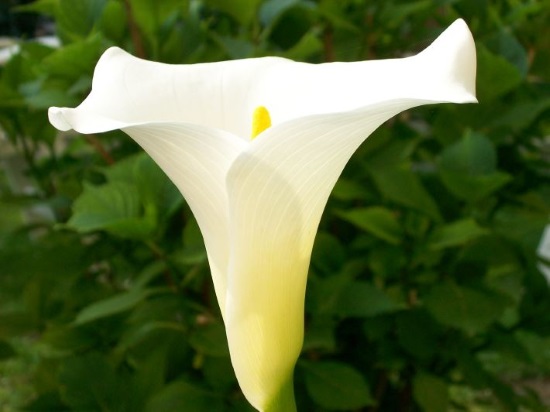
<point>284,401</point>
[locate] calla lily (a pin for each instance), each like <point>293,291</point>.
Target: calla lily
<point>258,201</point>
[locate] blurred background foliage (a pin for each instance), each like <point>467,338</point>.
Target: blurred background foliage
<point>425,291</point>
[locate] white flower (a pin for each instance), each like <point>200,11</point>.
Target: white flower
<point>258,202</point>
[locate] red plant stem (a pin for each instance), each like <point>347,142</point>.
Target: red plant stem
<point>135,33</point>
<point>96,144</point>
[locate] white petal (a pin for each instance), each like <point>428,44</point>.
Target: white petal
<point>445,71</point>
<point>197,159</point>
<point>128,91</point>
<point>278,188</point>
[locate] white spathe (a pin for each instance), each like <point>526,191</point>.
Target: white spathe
<point>258,202</point>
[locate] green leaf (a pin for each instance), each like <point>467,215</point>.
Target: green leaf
<point>470,310</point>
<point>271,10</point>
<point>376,220</point>
<point>242,11</point>
<point>210,340</point>
<point>505,44</point>
<point>328,254</point>
<point>157,192</point>
<point>114,207</point>
<point>336,386</point>
<point>334,12</point>
<point>496,75</point>
<point>111,306</point>
<point>75,60</point>
<point>154,18</point>
<point>6,350</point>
<point>473,155</point>
<point>16,324</point>
<point>468,168</point>
<point>521,114</point>
<point>183,396</point>
<point>456,234</point>
<point>47,7</point>
<point>112,16</point>
<point>431,393</point>
<point>399,184</point>
<point>420,342</point>
<point>346,189</point>
<point>233,47</point>
<point>320,334</point>
<point>474,188</point>
<point>219,372</point>
<point>90,383</point>
<point>308,45</point>
<point>77,18</point>
<point>69,339</point>
<point>395,14</point>
<point>361,299</point>
<point>386,261</point>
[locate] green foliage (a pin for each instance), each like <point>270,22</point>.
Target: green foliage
<point>336,386</point>
<point>424,292</point>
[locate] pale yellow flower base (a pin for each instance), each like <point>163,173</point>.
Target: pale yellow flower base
<point>284,402</point>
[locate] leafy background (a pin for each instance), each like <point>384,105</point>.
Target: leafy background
<point>425,291</point>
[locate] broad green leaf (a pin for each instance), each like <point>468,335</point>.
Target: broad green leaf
<point>320,334</point>
<point>308,45</point>
<point>90,383</point>
<point>346,189</point>
<point>47,7</point>
<point>376,220</point>
<point>470,310</point>
<point>324,293</point>
<point>6,350</point>
<point>242,11</point>
<point>16,323</point>
<point>146,329</point>
<point>505,44</point>
<point>158,194</point>
<point>110,21</point>
<point>431,393</point>
<point>336,386</point>
<point>334,12</point>
<point>111,306</point>
<point>399,184</point>
<point>210,339</point>
<point>456,234</point>
<point>468,168</point>
<point>496,75</point>
<point>47,401</point>
<point>271,10</point>
<point>361,299</point>
<point>69,339</point>
<point>114,207</point>
<point>387,261</point>
<point>420,342</point>
<point>328,254</point>
<point>46,97</point>
<point>234,48</point>
<point>473,155</point>
<point>184,396</point>
<point>77,18</point>
<point>75,60</point>
<point>521,114</point>
<point>218,372</point>
<point>395,14</point>
<point>474,188</point>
